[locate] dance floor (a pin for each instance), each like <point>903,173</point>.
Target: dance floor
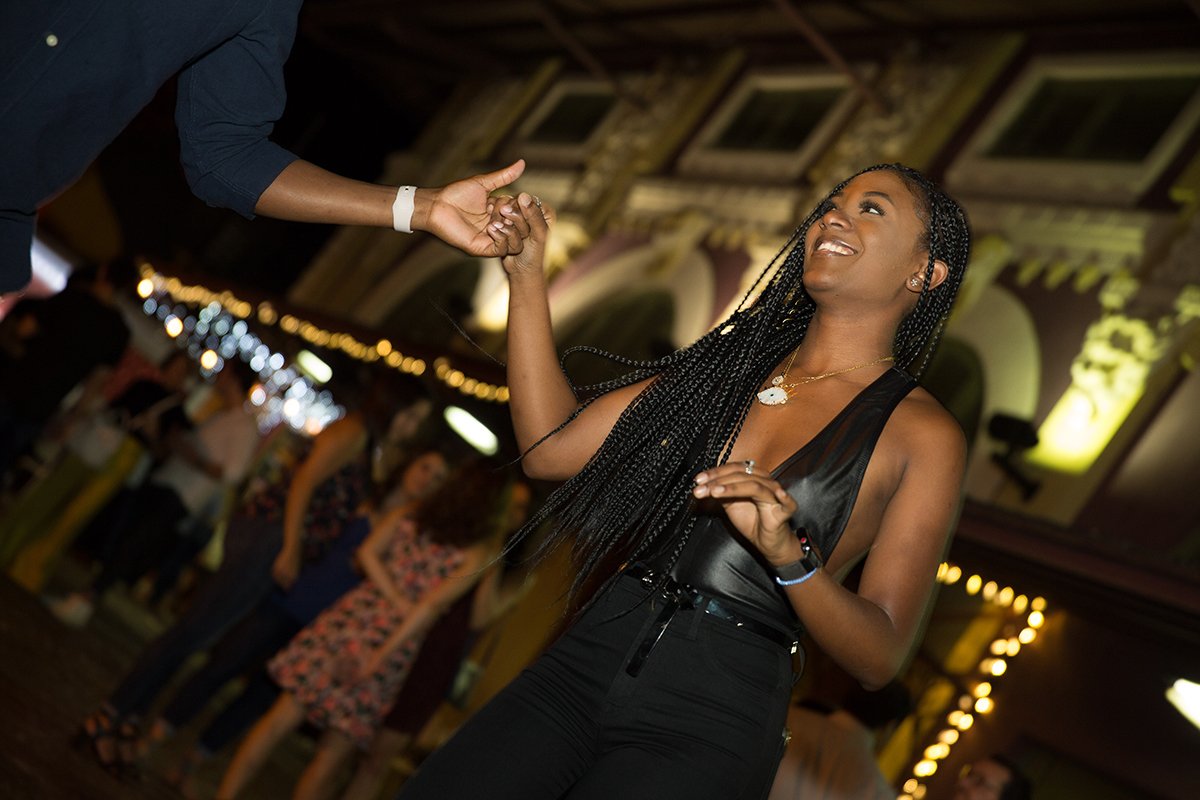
<point>50,678</point>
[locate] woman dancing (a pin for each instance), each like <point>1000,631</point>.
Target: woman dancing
<point>738,480</point>
<point>343,671</point>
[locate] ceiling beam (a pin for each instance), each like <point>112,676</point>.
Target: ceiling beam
<point>467,56</point>
<point>584,56</point>
<point>822,45</point>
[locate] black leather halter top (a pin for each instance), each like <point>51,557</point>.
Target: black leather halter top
<point>823,477</point>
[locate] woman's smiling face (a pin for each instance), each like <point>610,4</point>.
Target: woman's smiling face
<point>424,475</point>
<point>867,242</point>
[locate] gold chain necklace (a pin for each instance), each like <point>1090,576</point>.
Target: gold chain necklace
<point>780,392</point>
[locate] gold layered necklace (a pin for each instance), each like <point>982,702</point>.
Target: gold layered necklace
<point>780,390</point>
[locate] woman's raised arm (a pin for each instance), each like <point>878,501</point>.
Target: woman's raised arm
<point>540,396</point>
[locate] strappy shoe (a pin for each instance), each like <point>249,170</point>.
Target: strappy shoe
<point>97,735</point>
<point>129,751</point>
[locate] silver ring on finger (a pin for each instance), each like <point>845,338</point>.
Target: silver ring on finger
<point>749,462</point>
<point>537,201</point>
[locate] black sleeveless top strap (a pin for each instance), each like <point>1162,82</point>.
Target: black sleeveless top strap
<point>824,477</point>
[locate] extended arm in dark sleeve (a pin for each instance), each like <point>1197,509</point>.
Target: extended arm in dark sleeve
<point>229,101</point>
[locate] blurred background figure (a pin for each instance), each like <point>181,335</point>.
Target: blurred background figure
<point>44,357</point>
<point>439,667</point>
<point>343,671</point>
<point>100,448</point>
<point>244,650</point>
<point>993,778</point>
<point>831,754</point>
<point>202,468</point>
<point>294,509</point>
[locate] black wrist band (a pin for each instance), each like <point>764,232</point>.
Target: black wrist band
<point>804,566</point>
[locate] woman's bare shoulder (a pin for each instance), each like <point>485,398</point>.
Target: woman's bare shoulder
<point>927,428</point>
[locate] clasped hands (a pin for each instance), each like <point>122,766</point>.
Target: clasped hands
<point>756,505</point>
<point>465,214</point>
<point>520,225</point>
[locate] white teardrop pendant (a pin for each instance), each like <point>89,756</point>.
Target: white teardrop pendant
<point>773,396</point>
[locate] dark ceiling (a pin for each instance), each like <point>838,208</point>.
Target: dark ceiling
<point>415,51</point>
<point>366,76</point>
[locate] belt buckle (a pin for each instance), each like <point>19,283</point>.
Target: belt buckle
<point>671,603</point>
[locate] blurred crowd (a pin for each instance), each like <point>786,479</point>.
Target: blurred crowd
<point>340,580</point>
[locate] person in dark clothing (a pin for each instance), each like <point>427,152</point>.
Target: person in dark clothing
<point>67,337</point>
<point>45,519</point>
<point>737,480</point>
<point>73,73</point>
<point>202,466</point>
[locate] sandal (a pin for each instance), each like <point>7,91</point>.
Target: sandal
<point>129,750</point>
<point>97,734</point>
<point>183,777</point>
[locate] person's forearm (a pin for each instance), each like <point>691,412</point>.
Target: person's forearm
<point>377,574</point>
<point>304,192</point>
<point>856,633</point>
<point>540,396</point>
<point>294,509</point>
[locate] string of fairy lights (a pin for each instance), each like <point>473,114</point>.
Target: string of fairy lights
<point>214,326</point>
<point>1028,617</point>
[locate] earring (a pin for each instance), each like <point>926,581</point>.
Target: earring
<point>914,282</point>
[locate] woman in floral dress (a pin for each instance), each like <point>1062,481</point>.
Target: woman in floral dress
<point>343,671</point>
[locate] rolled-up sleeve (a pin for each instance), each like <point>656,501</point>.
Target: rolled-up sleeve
<point>229,101</point>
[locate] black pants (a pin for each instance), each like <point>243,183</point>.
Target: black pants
<point>702,720</point>
<point>243,650</point>
<point>243,579</point>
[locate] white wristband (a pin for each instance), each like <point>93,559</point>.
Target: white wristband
<point>402,209</point>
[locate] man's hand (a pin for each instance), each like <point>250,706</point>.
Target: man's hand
<point>459,213</point>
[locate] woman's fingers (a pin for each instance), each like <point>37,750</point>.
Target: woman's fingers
<point>733,468</point>
<point>513,214</point>
<point>742,480</point>
<point>539,215</point>
<point>745,488</point>
<point>504,232</point>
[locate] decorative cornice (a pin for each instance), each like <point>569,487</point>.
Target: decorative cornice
<point>1056,243</point>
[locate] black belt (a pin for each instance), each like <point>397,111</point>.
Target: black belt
<point>678,595</point>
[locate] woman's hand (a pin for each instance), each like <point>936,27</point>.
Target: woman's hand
<point>757,505</point>
<point>400,604</point>
<point>351,669</point>
<point>521,225</point>
<point>286,567</point>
